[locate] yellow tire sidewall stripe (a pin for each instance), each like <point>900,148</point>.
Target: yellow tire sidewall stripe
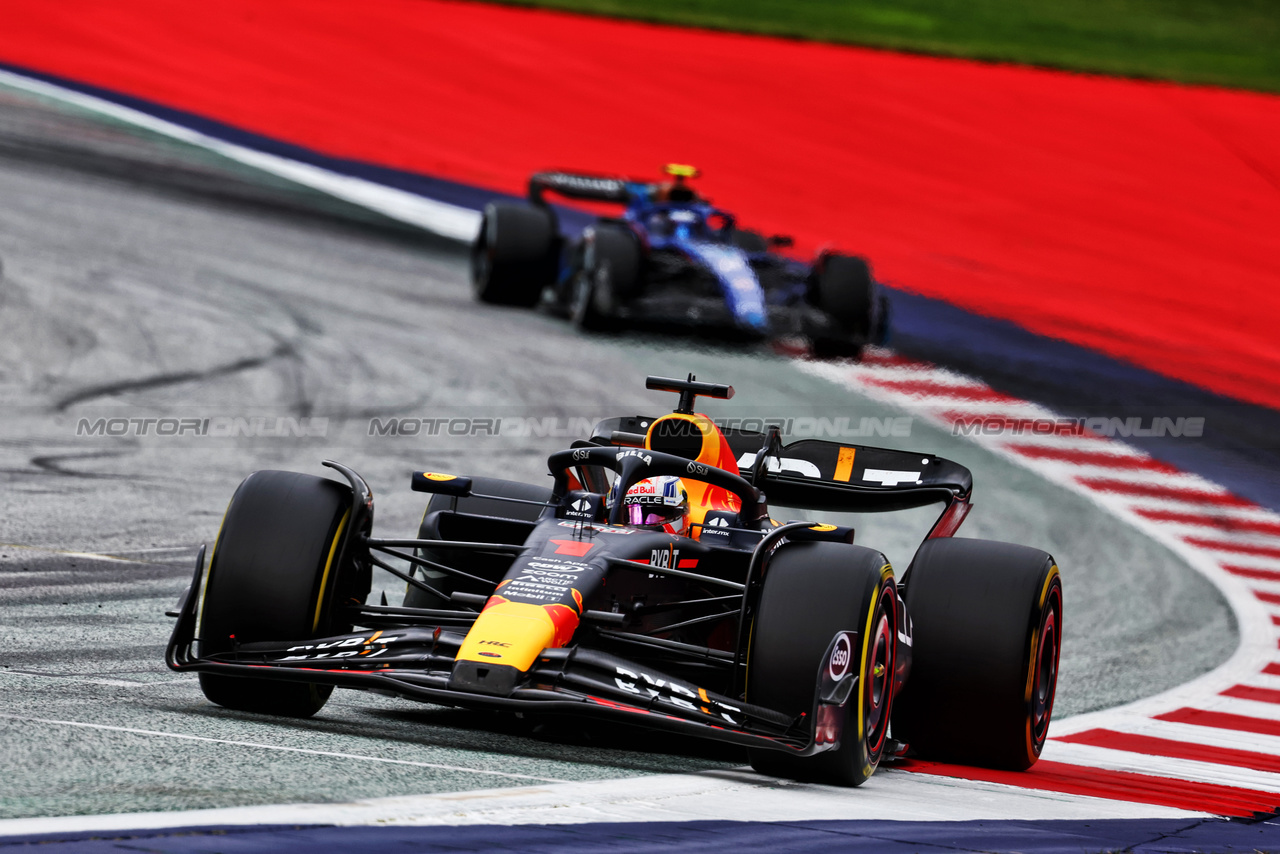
<point>328,566</point>
<point>1035,652</point>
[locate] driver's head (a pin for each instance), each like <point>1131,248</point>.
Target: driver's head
<point>660,503</point>
<point>681,192</point>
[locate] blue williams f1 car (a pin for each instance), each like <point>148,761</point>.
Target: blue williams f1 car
<point>670,260</point>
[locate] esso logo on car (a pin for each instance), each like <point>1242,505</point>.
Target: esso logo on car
<point>841,656</point>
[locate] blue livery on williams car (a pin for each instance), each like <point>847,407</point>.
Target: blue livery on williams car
<point>670,260</point>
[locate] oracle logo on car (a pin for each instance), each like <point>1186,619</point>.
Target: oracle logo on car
<point>841,657</point>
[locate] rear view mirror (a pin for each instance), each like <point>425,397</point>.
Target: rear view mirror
<point>441,484</point>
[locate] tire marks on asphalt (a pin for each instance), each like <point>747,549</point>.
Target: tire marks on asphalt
<point>277,747</point>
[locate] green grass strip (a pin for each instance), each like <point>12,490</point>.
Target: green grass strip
<point>1233,43</point>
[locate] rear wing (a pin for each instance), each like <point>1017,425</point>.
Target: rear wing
<point>814,474</point>
<point>595,188</point>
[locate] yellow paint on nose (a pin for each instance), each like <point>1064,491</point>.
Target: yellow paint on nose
<point>511,633</point>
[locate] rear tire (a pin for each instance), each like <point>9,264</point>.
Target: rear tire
<point>987,621</point>
<point>845,290</point>
<point>274,576</point>
<point>515,255</point>
<point>812,590</point>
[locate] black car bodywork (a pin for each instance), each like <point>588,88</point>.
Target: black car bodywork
<point>554,605</point>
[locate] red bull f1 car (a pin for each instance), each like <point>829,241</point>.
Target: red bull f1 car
<point>648,583</point>
<point>670,260</point>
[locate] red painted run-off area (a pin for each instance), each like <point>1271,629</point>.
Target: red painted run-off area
<point>1115,785</point>
<point>1139,219</point>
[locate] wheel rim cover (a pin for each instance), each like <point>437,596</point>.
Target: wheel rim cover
<point>1046,664</point>
<point>878,675</point>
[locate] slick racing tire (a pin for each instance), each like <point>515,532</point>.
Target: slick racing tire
<point>615,249</point>
<point>515,255</point>
<point>881,333</point>
<point>471,562</point>
<point>812,590</point>
<point>610,276</point>
<point>591,303</point>
<point>845,290</point>
<point>987,621</point>
<point>274,576</point>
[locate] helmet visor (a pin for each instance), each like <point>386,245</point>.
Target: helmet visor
<point>652,514</point>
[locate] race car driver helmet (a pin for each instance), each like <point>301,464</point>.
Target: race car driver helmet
<point>660,503</point>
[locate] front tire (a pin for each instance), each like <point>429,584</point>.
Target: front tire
<point>812,590</point>
<point>515,255</point>
<point>274,575</point>
<point>987,621</point>
<point>610,276</point>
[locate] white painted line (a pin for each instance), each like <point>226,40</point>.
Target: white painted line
<point>1229,521</point>
<point>73,677</point>
<point>40,550</point>
<point>451,221</point>
<point>1245,561</point>
<point>1235,706</point>
<point>1262,585</point>
<point>1203,735</point>
<point>1070,443</point>
<point>1147,477</point>
<point>727,795</point>
<point>1161,766</point>
<point>1264,680</point>
<point>1241,553</point>
<point>280,748</point>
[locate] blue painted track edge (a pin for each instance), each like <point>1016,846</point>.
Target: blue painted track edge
<point>893,837</point>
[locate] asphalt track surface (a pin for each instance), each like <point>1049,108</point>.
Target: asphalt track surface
<point>143,280</point>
